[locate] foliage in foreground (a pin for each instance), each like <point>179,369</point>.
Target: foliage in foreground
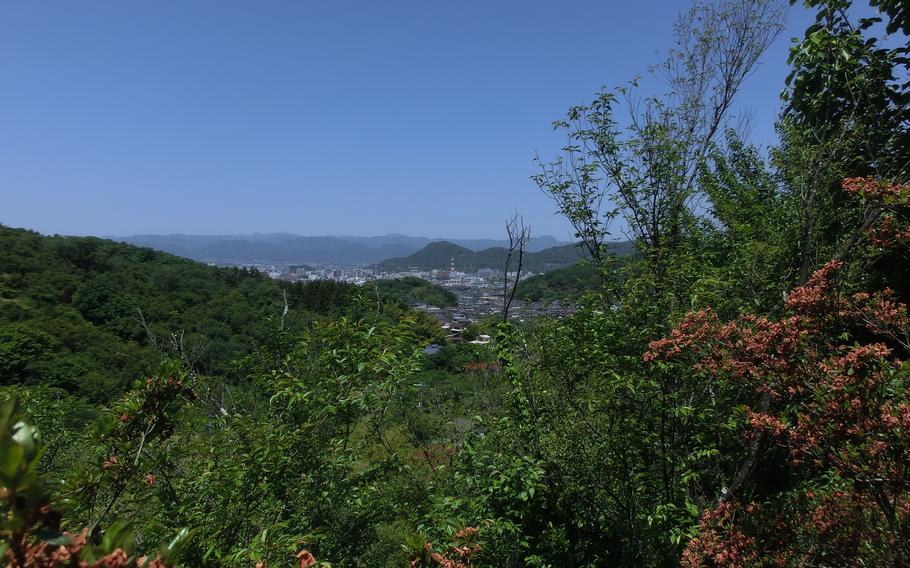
<point>31,527</point>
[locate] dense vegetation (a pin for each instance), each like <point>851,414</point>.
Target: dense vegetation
<point>562,284</point>
<point>85,314</point>
<point>412,290</point>
<point>90,316</point>
<point>736,393</point>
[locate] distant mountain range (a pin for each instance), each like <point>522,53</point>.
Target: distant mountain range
<point>440,255</point>
<point>285,247</point>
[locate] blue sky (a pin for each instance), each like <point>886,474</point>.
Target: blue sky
<point>313,118</point>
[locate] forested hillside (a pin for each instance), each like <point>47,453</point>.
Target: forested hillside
<point>90,315</point>
<point>91,312</point>
<point>568,283</point>
<point>411,290</point>
<point>85,319</point>
<point>735,393</point>
<point>440,255</point>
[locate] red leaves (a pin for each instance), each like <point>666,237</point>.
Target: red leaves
<point>721,542</point>
<point>888,232</point>
<point>893,198</point>
<point>458,555</point>
<point>767,423</point>
<point>871,188</point>
<point>306,559</point>
<point>466,533</point>
<point>751,348</point>
<point>840,408</point>
<point>880,314</point>
<point>695,329</point>
<point>44,555</point>
<point>815,297</point>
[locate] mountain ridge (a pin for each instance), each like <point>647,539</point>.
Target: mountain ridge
<point>287,247</point>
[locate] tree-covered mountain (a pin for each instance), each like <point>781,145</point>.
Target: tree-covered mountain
<point>572,282</point>
<point>567,283</point>
<point>101,341</point>
<point>93,311</point>
<point>440,255</point>
<point>536,243</point>
<point>91,315</point>
<point>410,290</point>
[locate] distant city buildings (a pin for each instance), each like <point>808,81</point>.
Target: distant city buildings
<point>480,293</point>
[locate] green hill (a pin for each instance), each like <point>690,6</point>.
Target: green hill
<point>411,290</point>
<point>90,315</point>
<point>561,284</point>
<point>440,255</point>
<point>570,282</point>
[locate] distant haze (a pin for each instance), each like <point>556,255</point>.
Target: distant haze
<point>285,247</point>
<point>324,118</point>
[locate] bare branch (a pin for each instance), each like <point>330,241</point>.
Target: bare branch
<point>518,235</point>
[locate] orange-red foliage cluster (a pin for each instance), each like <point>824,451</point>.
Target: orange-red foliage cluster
<point>458,556</point>
<point>893,228</point>
<point>836,398</point>
<point>45,555</point>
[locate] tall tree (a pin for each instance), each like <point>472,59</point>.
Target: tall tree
<point>847,114</point>
<point>637,157</point>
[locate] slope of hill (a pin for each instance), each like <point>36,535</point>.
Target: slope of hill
<point>563,284</point>
<point>571,282</point>
<point>439,255</point>
<point>411,290</point>
<point>434,255</point>
<point>536,243</point>
<point>89,315</point>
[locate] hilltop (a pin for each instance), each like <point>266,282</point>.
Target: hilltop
<point>440,255</point>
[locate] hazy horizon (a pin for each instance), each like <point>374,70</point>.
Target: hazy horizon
<point>338,235</point>
<point>221,118</point>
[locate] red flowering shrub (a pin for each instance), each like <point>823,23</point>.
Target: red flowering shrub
<point>26,513</point>
<point>145,418</point>
<point>458,555</point>
<point>893,199</point>
<point>721,542</point>
<point>305,559</point>
<point>74,553</point>
<point>834,393</point>
<point>871,188</point>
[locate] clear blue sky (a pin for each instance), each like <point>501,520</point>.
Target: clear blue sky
<point>339,117</point>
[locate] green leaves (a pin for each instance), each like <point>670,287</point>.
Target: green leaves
<point>171,552</point>
<point>20,453</point>
<point>26,516</point>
